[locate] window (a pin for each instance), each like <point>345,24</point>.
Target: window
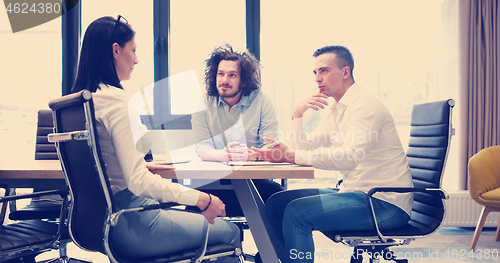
<point>403,53</point>
<point>192,30</point>
<point>31,76</point>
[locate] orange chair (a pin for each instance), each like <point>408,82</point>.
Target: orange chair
<point>484,186</point>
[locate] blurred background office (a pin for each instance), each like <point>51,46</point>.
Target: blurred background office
<point>405,53</point>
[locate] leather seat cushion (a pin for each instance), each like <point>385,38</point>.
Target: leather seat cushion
<point>26,233</point>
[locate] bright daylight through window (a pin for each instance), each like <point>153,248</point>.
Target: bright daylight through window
<point>404,53</point>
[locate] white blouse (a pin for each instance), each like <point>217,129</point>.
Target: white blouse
<point>125,165</point>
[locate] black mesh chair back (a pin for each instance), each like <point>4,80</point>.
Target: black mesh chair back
<point>430,136</point>
<point>82,163</point>
<point>44,150</point>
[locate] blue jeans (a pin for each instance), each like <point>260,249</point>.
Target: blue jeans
<point>159,232</point>
<point>294,214</point>
<point>265,187</point>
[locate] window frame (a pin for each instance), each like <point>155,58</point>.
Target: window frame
<point>71,37</point>
<point>162,95</point>
<point>71,28</point>
<point>162,105</point>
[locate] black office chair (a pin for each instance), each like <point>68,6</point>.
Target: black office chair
<point>92,210</point>
<point>22,241</point>
<point>430,137</point>
<point>46,207</point>
<point>44,150</point>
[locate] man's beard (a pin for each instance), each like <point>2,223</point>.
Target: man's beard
<point>224,94</point>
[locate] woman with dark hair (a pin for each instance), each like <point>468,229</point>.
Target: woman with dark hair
<point>107,58</point>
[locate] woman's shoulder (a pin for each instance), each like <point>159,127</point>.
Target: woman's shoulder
<point>110,92</point>
<point>109,97</point>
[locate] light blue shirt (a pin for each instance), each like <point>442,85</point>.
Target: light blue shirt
<point>247,122</point>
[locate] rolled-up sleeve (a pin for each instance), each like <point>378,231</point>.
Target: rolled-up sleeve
<point>201,130</point>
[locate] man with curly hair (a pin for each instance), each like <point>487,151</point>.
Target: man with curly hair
<point>237,117</point>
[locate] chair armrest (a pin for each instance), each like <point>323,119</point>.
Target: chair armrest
<point>114,217</point>
<point>441,192</point>
<point>32,195</point>
<point>159,206</point>
<point>3,207</point>
<point>374,190</point>
<point>63,194</point>
<point>68,136</point>
<point>204,242</point>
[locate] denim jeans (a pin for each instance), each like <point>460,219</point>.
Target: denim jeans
<point>159,232</point>
<point>294,214</point>
<point>265,187</point>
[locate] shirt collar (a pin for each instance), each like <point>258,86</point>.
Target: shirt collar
<point>245,101</point>
<point>349,96</point>
<point>220,101</point>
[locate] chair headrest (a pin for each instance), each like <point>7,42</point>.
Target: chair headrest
<point>71,99</point>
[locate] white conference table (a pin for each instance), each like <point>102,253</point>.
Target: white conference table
<point>47,174</point>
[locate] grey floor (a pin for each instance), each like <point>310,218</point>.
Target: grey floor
<point>449,244</point>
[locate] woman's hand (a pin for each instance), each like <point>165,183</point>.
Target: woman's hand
<point>213,205</point>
